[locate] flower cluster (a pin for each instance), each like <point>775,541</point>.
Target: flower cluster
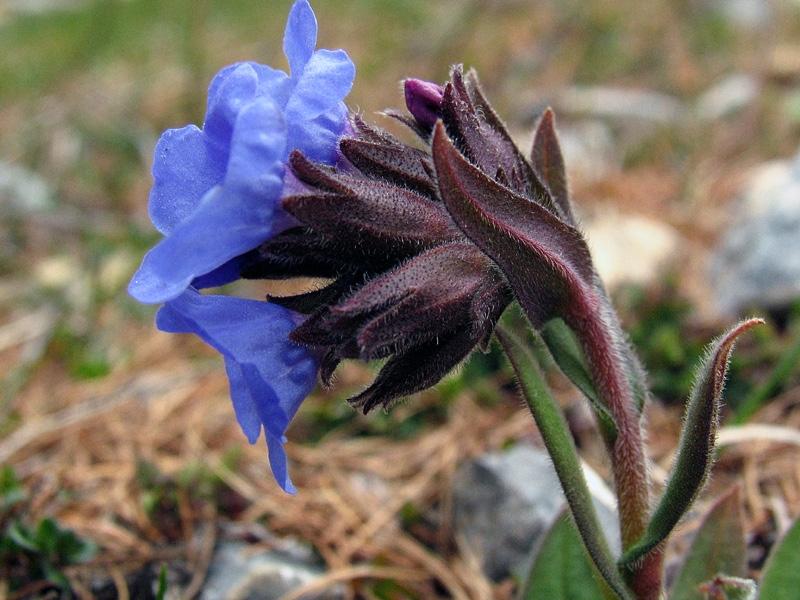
<point>216,197</point>
<point>415,240</point>
<point>406,283</point>
<point>423,246</point>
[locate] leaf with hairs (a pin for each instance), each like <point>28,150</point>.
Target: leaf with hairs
<point>696,451</point>
<point>558,441</point>
<point>548,162</point>
<point>568,355</point>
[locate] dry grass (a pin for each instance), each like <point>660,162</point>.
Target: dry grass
<point>83,464</point>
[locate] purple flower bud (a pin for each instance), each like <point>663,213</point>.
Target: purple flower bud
<point>424,101</point>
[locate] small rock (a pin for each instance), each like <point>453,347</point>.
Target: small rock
<point>620,104</point>
<point>727,97</point>
<point>758,261</point>
<point>115,270</point>
<point>630,249</point>
<point>503,503</point>
<point>238,574</point>
<point>22,190</point>
<point>747,14</point>
<point>66,275</point>
<point>590,153</point>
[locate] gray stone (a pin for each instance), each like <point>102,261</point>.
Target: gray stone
<point>590,152</point>
<point>22,191</point>
<point>727,97</point>
<point>618,104</point>
<point>503,503</point>
<point>758,261</point>
<point>236,573</point>
<point>747,14</point>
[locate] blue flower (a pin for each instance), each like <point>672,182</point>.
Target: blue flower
<point>216,196</point>
<point>269,375</point>
<point>216,190</point>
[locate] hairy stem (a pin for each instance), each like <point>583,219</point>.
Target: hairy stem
<point>564,455</point>
<point>596,326</point>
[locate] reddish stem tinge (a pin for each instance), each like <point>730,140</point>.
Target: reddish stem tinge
<point>594,324</point>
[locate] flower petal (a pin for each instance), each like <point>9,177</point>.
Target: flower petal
<point>326,80</point>
<point>243,404</point>
<point>318,139</point>
<point>224,274</point>
<point>247,415</point>
<point>278,463</point>
<point>185,167</point>
<point>274,372</point>
<point>300,37</point>
<point>272,82</point>
<point>424,101</point>
<point>257,147</point>
<point>225,225</point>
<point>231,88</point>
<point>255,334</point>
<point>231,218</point>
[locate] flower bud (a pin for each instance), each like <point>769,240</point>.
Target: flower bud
<point>424,101</point>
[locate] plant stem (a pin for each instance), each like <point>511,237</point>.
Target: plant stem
<point>564,455</point>
<point>628,461</point>
<point>597,328</point>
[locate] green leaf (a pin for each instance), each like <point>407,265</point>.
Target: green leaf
<point>561,569</point>
<point>22,537</point>
<point>55,576</point>
<point>47,536</point>
<point>696,450</point>
<point>564,455</point>
<point>162,583</point>
<point>570,358</point>
<point>11,490</point>
<point>718,548</point>
<point>781,579</point>
<point>73,549</point>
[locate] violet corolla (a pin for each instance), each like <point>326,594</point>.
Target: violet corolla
<point>216,197</point>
